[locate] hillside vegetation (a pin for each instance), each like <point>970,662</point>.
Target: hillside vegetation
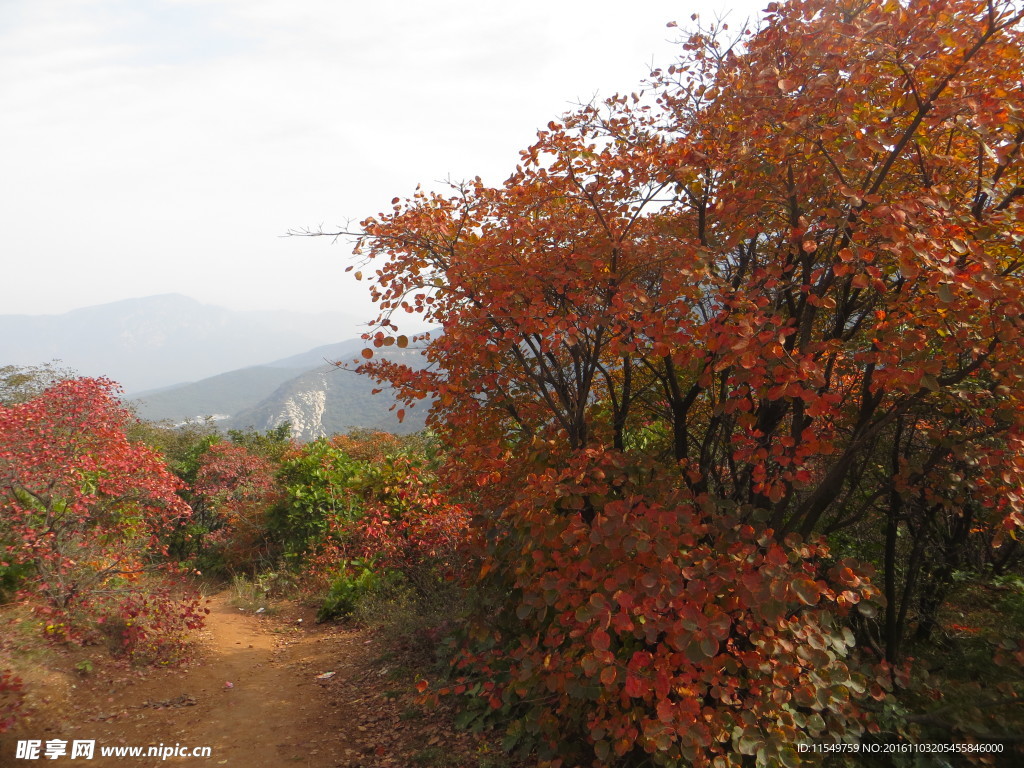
<point>724,449</point>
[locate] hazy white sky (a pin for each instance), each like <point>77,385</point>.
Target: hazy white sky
<point>156,146</point>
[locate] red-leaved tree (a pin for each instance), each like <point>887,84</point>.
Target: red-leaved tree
<point>777,297</point>
<point>236,489</point>
<point>84,507</point>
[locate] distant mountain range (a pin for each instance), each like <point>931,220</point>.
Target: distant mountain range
<point>306,390</point>
<point>163,340</point>
<point>179,359</point>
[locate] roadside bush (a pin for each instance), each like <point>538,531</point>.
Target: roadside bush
<point>366,497</point>
<point>353,582</point>
<point>83,512</point>
<point>407,524</point>
<point>11,699</point>
<point>316,483</point>
<point>659,633</point>
<point>235,488</point>
<point>12,577</point>
<point>151,627</point>
<point>415,618</point>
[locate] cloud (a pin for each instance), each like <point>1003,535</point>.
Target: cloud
<point>152,146</point>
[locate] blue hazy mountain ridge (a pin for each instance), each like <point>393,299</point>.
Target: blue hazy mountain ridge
<point>317,397</point>
<point>329,400</point>
<point>157,341</point>
<point>219,396</point>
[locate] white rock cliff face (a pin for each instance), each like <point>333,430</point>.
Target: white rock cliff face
<point>305,411</point>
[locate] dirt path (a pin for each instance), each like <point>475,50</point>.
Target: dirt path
<point>275,712</point>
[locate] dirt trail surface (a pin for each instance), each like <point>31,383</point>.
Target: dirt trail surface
<point>254,697</point>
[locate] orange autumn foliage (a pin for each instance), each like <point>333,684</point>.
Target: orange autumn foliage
<point>776,296</point>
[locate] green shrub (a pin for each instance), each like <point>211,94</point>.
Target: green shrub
<point>11,578</point>
<point>354,581</point>
<point>412,616</point>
